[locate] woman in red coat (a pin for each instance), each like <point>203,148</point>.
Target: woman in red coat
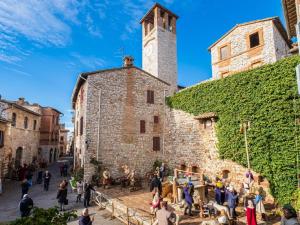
<point>251,214</point>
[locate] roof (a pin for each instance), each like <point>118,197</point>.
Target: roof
<point>48,107</point>
<point>275,20</point>
<point>3,120</point>
<point>19,107</point>
<point>81,79</point>
<point>206,115</point>
<point>290,14</point>
<point>159,6</point>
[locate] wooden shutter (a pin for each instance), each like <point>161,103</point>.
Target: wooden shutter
<point>142,126</point>
<point>1,138</point>
<point>150,96</point>
<point>156,143</point>
<point>156,119</point>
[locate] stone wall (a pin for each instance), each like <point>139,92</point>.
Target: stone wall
<point>5,151</point>
<point>272,47</point>
<point>190,142</point>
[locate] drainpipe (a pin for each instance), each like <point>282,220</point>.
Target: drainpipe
<point>164,122</point>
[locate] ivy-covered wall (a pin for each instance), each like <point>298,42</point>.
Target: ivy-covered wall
<point>267,97</point>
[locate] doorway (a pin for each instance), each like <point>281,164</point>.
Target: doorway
<point>18,159</point>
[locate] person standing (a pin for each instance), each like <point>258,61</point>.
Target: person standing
<point>87,194</point>
<point>155,183</point>
<point>106,178</point>
<point>232,200</point>
<point>289,216</point>
<point>61,169</point>
<point>62,196</point>
<point>85,218</point>
<point>25,187</point>
<point>65,170</point>
<point>47,178</point>
<point>188,200</point>
<point>259,205</point>
<point>79,186</point>
<point>25,206</point>
<point>250,213</point>
<point>163,215</point>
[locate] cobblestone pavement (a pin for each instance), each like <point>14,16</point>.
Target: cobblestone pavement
<point>10,199</point>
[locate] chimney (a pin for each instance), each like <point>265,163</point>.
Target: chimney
<point>128,61</point>
<point>21,101</point>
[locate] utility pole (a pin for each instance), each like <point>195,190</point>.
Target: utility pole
<point>244,127</point>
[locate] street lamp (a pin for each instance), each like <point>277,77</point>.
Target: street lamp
<point>243,128</point>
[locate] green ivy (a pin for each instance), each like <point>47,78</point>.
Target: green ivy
<point>267,97</point>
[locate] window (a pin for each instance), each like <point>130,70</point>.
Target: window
<point>142,126</point>
<point>25,122</point>
<point>77,128</point>
<point>170,23</point>
<point>254,40</point>
<point>224,52</point>
<point>61,138</point>
<point>150,96</point>
<point>14,119</point>
<point>34,125</point>
<point>162,15</point>
<point>156,119</point>
<point>81,125</point>
<point>156,143</point>
<point>1,138</point>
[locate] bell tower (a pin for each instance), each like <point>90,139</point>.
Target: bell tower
<point>159,44</point>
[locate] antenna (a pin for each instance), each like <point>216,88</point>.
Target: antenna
<point>120,53</point>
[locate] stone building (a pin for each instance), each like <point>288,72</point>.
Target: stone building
<point>20,130</point>
<point>49,140</point>
<point>249,45</point>
<point>63,139</point>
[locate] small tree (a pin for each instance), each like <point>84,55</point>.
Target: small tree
<point>49,216</point>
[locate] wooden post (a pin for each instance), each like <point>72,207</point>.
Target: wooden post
<point>127,213</point>
<point>112,209</point>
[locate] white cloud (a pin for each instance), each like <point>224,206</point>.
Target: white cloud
<point>92,29</point>
<point>90,62</point>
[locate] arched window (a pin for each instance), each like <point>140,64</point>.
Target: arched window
<point>26,122</point>
<point>14,119</point>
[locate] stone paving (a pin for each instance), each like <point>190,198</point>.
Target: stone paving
<point>10,199</point>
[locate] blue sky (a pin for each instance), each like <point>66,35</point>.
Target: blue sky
<point>45,44</point>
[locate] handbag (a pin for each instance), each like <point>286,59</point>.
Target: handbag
<point>66,202</point>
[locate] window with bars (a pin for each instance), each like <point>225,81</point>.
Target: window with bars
<point>142,126</point>
<point>156,143</point>
<point>150,96</point>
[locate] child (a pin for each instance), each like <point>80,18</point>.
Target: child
<point>155,202</point>
<point>250,213</point>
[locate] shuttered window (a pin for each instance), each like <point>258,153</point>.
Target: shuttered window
<point>150,96</point>
<point>14,119</point>
<point>81,126</point>
<point>1,138</point>
<point>156,143</point>
<point>142,126</point>
<point>25,122</point>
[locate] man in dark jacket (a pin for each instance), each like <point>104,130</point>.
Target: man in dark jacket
<point>85,218</point>
<point>87,194</point>
<point>155,183</point>
<point>62,196</point>
<point>47,177</point>
<point>25,187</point>
<point>26,205</point>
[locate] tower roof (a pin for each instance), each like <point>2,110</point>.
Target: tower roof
<point>159,6</point>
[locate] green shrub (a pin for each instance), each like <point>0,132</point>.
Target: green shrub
<point>266,96</point>
<point>49,216</point>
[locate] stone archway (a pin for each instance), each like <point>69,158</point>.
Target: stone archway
<point>18,158</point>
<point>50,155</point>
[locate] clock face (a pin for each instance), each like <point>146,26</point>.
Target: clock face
<point>149,49</point>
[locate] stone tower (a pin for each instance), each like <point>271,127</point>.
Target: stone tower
<point>159,44</point>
